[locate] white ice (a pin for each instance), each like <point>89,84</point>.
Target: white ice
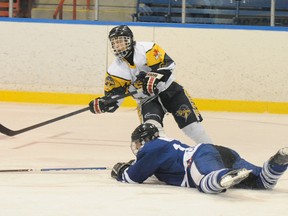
<point>87,140</point>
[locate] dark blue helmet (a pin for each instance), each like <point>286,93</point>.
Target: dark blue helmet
<point>142,134</point>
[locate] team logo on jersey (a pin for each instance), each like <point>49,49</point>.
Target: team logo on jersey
<point>109,81</point>
<point>183,112</point>
<point>156,54</point>
<point>138,84</point>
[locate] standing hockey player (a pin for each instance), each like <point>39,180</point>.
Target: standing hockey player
<point>207,167</point>
<point>146,65</point>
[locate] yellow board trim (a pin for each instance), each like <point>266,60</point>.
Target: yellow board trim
<point>242,106</point>
<point>202,104</point>
<point>54,98</point>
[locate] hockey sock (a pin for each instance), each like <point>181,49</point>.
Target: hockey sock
<point>269,175</point>
<point>210,183</point>
<point>197,133</point>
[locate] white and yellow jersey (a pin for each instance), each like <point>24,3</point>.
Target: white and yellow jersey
<point>121,77</point>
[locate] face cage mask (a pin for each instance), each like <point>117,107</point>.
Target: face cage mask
<point>136,145</point>
<point>121,46</point>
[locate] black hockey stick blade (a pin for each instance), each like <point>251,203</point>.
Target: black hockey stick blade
<point>9,132</point>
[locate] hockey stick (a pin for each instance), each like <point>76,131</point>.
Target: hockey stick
<point>9,132</point>
<point>53,169</point>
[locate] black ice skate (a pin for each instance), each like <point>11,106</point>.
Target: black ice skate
<point>280,158</point>
<point>234,177</point>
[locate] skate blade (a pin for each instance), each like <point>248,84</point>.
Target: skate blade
<point>230,180</point>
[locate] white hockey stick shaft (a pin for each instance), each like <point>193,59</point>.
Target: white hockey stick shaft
<point>54,169</point>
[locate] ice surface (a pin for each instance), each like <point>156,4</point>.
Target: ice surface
<point>87,140</point>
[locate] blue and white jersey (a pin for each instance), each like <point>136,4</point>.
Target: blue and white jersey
<point>167,159</point>
<point>201,166</point>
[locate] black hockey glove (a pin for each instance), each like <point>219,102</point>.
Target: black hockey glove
<point>141,76</point>
<point>150,83</point>
<point>139,80</point>
<point>101,105</point>
<point>118,170</point>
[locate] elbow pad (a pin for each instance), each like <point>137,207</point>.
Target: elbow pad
<point>166,74</point>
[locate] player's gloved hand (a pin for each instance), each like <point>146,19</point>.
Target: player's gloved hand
<point>118,169</point>
<point>101,105</point>
<point>141,76</point>
<point>150,83</point>
<point>139,80</point>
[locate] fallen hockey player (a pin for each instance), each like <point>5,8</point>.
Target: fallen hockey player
<point>207,167</point>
